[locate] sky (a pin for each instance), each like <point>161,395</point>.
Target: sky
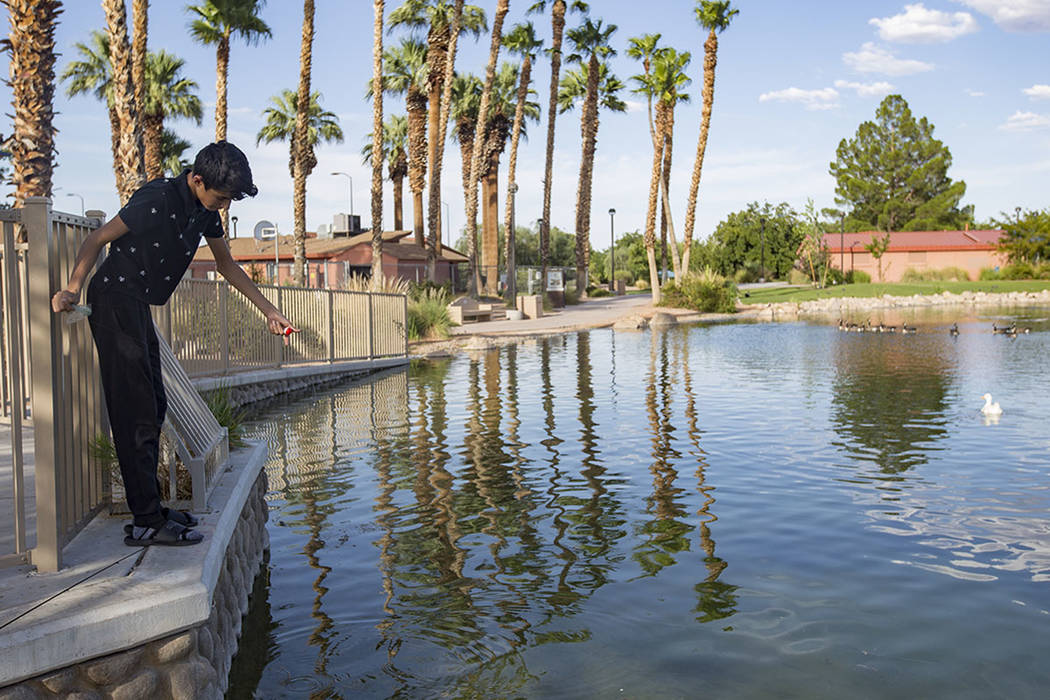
<point>793,79</point>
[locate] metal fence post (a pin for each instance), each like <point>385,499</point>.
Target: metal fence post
<point>224,326</point>
<point>331,324</point>
<point>14,379</point>
<point>371,327</point>
<point>47,387</point>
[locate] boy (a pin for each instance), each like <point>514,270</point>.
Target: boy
<point>152,241</point>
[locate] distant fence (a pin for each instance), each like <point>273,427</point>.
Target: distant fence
<point>51,373</point>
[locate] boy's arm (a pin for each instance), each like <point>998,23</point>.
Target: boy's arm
<point>86,257</point>
<point>232,272</point>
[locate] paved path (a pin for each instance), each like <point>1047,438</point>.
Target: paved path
<point>594,313</point>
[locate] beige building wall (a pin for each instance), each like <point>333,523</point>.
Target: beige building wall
<point>895,263</point>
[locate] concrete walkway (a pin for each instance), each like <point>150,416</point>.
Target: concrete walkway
<point>594,313</point>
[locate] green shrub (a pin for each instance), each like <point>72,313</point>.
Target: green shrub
<point>988,274</point>
<point>427,316</point>
<point>945,274</point>
<point>707,292</point>
<point>797,276</point>
<point>227,414</point>
<point>1043,272</point>
<point>1017,271</point>
<point>420,290</point>
<point>858,277</point>
<point>599,292</point>
<point>747,274</point>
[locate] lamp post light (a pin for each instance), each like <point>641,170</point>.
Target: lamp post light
<point>233,220</point>
<point>842,245</point>
<point>762,272</point>
<point>351,189</point>
<point>612,251</point>
<point>74,194</point>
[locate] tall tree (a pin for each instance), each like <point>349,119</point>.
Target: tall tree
<point>714,16</point>
<point>591,48</point>
<point>1026,236</point>
<point>132,171</point>
<point>558,11</point>
<point>282,124</point>
<point>378,10</point>
<point>471,196</point>
<point>893,175</point>
<point>406,74</point>
<point>522,41</point>
<point>172,146</point>
<point>395,153</point>
<point>644,48</point>
<point>31,47</point>
<point>215,23</point>
<point>166,94</point>
<point>139,32</point>
<point>442,21</point>
<point>303,159</point>
<point>669,78</point>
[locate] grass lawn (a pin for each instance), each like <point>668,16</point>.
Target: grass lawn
<point>901,289</point>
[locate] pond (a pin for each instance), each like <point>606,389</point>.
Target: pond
<point>734,511</point>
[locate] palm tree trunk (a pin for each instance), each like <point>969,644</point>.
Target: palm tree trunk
<point>222,69</point>
<point>650,221</point>
<point>512,164</point>
<point>471,204</point>
<point>300,145</point>
<point>140,22</point>
<point>558,29</point>
<point>490,226</point>
<point>589,133</point>
<point>377,144</point>
<point>667,224</point>
<point>32,70</point>
<point>437,146</point>
<point>153,129</point>
<point>114,143</point>
<point>399,203</point>
<point>130,149</point>
<point>416,106</point>
<point>707,98</point>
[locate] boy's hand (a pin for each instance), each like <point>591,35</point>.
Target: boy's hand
<point>64,300</point>
<point>279,325</point>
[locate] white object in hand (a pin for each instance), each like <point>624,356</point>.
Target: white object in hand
<point>989,408</point>
<point>79,313</point>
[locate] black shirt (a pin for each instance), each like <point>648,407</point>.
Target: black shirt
<point>165,225</point>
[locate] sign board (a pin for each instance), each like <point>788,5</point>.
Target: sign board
<point>555,281</point>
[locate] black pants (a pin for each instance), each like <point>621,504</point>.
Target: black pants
<point>129,362</point>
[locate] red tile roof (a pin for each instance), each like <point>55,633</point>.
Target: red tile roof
<point>908,241</point>
<point>248,249</point>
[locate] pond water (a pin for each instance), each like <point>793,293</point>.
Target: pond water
<point>732,511</point>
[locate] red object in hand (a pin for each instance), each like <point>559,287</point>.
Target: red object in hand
<point>287,331</point>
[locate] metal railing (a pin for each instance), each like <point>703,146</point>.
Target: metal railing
<point>214,330</point>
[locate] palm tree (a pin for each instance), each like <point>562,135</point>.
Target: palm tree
<point>591,47</point>
<point>558,10</point>
<point>282,125</point>
<point>521,40</point>
<point>172,146</point>
<point>378,9</point>
<point>140,24</point>
<point>466,98</point>
<point>714,16</point>
<point>643,48</point>
<point>215,23</point>
<point>471,204</point>
<point>668,78</point>
<point>166,94</point>
<point>31,46</point>
<point>92,74</point>
<point>303,160</point>
<point>395,153</point>
<point>129,147</point>
<point>406,74</point>
<point>442,21</point>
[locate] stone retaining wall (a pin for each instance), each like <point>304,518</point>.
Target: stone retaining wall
<point>846,306</point>
<point>194,663</point>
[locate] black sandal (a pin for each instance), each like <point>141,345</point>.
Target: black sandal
<point>180,517</point>
<point>170,534</point>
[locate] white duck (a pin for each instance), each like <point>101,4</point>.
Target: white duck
<point>990,408</point>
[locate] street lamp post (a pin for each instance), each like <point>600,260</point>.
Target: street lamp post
<point>511,262</point>
<point>842,246</point>
<point>612,251</point>
<point>233,220</point>
<point>349,224</point>
<point>762,273</point>
<point>446,229</point>
<point>74,194</point>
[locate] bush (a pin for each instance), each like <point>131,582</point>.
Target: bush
<point>420,290</point>
<point>599,292</point>
<point>707,292</point>
<point>427,315</point>
<point>988,274</point>
<point>641,283</point>
<point>797,276</point>
<point>946,274</point>
<point>227,414</point>
<point>858,277</point>
<point>1017,271</point>
<point>747,274</point>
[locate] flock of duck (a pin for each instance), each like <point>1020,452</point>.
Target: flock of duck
<point>990,408</point>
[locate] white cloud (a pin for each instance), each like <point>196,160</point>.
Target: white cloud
<point>917,25</point>
<point>1038,92</point>
<point>823,98</point>
<point>1026,121</point>
<point>974,93</point>
<point>874,59</point>
<point>866,89</point>
<point>635,105</point>
<point>1015,15</point>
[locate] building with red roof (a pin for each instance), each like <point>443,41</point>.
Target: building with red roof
<point>917,250</point>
